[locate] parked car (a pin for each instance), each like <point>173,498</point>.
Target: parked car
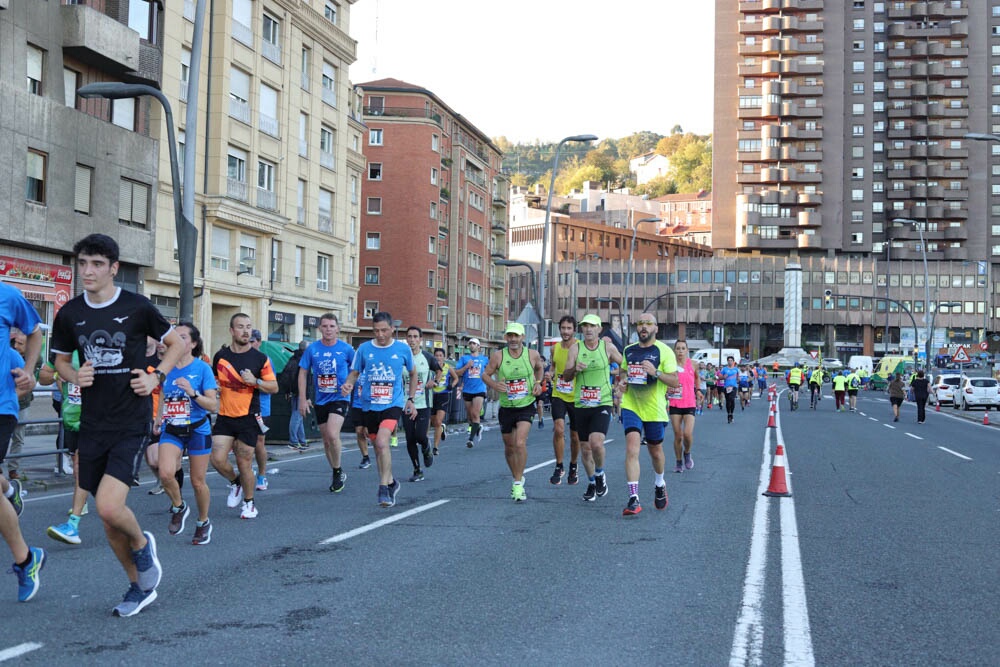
<point>979,393</point>
<point>946,386</point>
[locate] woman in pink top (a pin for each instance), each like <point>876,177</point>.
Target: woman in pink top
<point>683,402</point>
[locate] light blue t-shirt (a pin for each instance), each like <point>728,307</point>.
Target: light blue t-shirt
<point>180,410</point>
<point>15,311</point>
<point>730,375</point>
<point>383,369</point>
<point>330,366</point>
<point>472,378</point>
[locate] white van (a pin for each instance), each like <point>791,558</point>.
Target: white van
<point>711,356</point>
<point>858,361</point>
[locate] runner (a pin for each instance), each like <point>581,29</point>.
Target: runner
<point>357,416</point>
<point>540,399</point>
<point>415,425</point>
<point>518,383</point>
<point>382,362</point>
<point>702,376</point>
<point>260,447</point>
<point>469,370</point>
<point>761,379</point>
<point>589,365</point>
<point>720,389</point>
<point>442,399</point>
<point>745,381</point>
<point>16,311</point>
<point>562,410</point>
<point>189,394</point>
<point>729,375</point>
<point>330,361</point>
<point>853,385</point>
<point>108,326</point>
<point>242,373</point>
<point>795,377</point>
<point>682,408</point>
<point>839,390</point>
<point>648,374</point>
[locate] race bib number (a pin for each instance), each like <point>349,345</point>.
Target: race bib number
<point>729,390</point>
<point>73,394</point>
<point>637,374</point>
<point>475,372</point>
<point>380,393</point>
<point>177,410</point>
<point>564,386</point>
<point>327,384</point>
<point>675,393</point>
<point>590,397</point>
<point>517,389</point>
<point>420,386</point>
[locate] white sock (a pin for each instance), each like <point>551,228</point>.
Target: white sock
<point>10,491</point>
<point>659,480</point>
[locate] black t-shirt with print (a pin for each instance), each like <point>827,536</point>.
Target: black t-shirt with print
<point>113,337</point>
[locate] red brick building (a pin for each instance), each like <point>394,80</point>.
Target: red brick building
<point>434,211</point>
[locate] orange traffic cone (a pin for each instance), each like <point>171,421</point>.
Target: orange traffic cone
<point>778,488</point>
<point>986,417</point>
<point>770,417</point>
<point>937,407</point>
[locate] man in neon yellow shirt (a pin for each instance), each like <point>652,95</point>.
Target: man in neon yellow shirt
<point>562,403</point>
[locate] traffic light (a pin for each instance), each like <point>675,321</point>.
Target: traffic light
<point>828,297</point>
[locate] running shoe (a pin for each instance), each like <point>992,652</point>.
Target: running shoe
<point>64,532</point>
<point>660,497</point>
<point>633,507</point>
<point>541,424</point>
<point>303,446</point>
<point>417,476</point>
<point>295,446</point>
<point>202,533</point>
<point>470,443</point>
<point>444,434</point>
<point>730,419</point>
<point>178,517</point>
<point>135,600</point>
<point>679,467</point>
<point>261,482</point>
<point>591,494</point>
<point>235,494</point>
<point>383,496</point>
<point>517,492</point>
<point>557,475</point>
<point>574,475</point>
<point>15,497</point>
<point>156,490</point>
<point>601,482</point>
<point>249,510</point>
<point>27,576</point>
<point>393,490</point>
<point>337,484</point>
<point>436,449</point>
<point>365,464</point>
<point>394,441</point>
<point>147,564</point>
<point>428,457</point>
<point>688,461</point>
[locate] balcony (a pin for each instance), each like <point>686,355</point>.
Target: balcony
<point>303,148</point>
<point>189,7</point>
<point>240,110</point>
<point>497,282</point>
<point>329,97</point>
<point>496,309</point>
<point>304,81</point>
<point>267,200</point>
<point>242,33</point>
<point>442,258</point>
<point>327,160</point>
<point>403,112</point>
<point>182,94</point>
<point>301,219</point>
<point>98,40</point>
<point>271,51</point>
<point>324,222</point>
<point>442,294</point>
<point>237,189</point>
<point>810,241</point>
<point>267,124</point>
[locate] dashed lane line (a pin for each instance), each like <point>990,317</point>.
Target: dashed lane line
<point>19,650</point>
<point>915,437</point>
<point>961,456</point>
<point>360,530</point>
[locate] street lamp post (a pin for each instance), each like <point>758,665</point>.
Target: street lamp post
<point>187,233</point>
<point>548,217</point>
<point>621,320</point>
<point>927,284</point>
<point>513,262</point>
<point>631,254</point>
<point>443,315</point>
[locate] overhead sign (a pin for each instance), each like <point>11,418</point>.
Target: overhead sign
<point>961,355</point>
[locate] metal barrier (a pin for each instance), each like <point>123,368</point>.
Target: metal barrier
<point>59,451</point>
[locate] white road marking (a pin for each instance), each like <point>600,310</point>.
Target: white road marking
<point>383,522</point>
<point>961,456</point>
<point>873,419</point>
<point>540,465</point>
<point>797,634</point>
<point>889,426</point>
<point>915,437</point>
<point>19,650</point>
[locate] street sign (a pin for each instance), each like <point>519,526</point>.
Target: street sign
<point>814,353</point>
<point>984,346</point>
<point>961,355</point>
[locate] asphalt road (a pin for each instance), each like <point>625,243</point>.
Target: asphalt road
<point>884,555</point>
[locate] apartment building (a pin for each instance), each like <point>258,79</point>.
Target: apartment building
<point>70,166</point>
<point>840,130</point>
<point>278,166</point>
<point>435,213</point>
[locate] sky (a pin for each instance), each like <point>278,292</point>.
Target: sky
<point>546,69</point>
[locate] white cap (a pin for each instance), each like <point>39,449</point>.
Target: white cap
<point>474,340</point>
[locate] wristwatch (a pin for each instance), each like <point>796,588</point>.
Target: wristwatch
<point>160,375</point>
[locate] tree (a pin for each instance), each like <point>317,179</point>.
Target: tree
<point>691,166</point>
<point>637,143</point>
<point>656,187</point>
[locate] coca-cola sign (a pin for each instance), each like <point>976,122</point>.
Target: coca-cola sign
<point>38,272</point>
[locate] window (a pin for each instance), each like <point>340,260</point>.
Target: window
<point>432,245</point>
<point>220,248</point>
<point>123,113</point>
<point>36,172</point>
<point>248,254</point>
<point>303,134</point>
<point>300,254</point>
<point>325,211</point>
<point>434,176</point>
<point>71,81</point>
<point>374,206</point>
<point>858,130</point>
<point>373,241</point>
<point>430,279</point>
<point>81,189</point>
<point>326,147</point>
<point>857,195</point>
<point>371,275</point>
<point>858,45</point>
<point>236,165</point>
<point>374,137</point>
<point>434,210</point>
<point>858,88</point>
<point>133,203</point>
<point>857,238</point>
<point>430,312</point>
<point>239,95</point>
<point>265,185</point>
<point>374,171</point>
<point>142,19</point>
<point>304,82</point>
<point>330,12</point>
<point>435,143</point>
<point>242,20</point>
<point>858,173</point>
<point>323,272</point>
<point>858,66</point>
<point>329,84</point>
<point>267,118</point>
<point>371,307</point>
<point>300,196</point>
<point>275,261</point>
<point>271,44</point>
<point>859,24</point>
<point>858,109</point>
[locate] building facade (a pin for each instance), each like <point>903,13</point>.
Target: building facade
<point>278,166</point>
<point>433,217</point>
<point>70,166</point>
<point>840,131</point>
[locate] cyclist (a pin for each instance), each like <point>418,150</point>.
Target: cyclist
<point>795,377</point>
<point>815,387</point>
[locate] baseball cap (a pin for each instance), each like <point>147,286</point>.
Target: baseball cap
<point>474,340</point>
<point>591,319</point>
<point>515,328</point>
<point>255,335</point>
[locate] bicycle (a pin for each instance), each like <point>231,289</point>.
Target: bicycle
<point>793,398</point>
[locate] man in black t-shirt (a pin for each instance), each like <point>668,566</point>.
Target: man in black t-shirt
<point>108,326</point>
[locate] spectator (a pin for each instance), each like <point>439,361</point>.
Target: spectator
<point>18,341</point>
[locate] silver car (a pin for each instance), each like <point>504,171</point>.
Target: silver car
<point>979,393</point>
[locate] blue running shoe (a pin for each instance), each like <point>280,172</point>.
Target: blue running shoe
<point>148,565</point>
<point>15,497</point>
<point>135,600</point>
<point>65,532</point>
<point>27,576</point>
